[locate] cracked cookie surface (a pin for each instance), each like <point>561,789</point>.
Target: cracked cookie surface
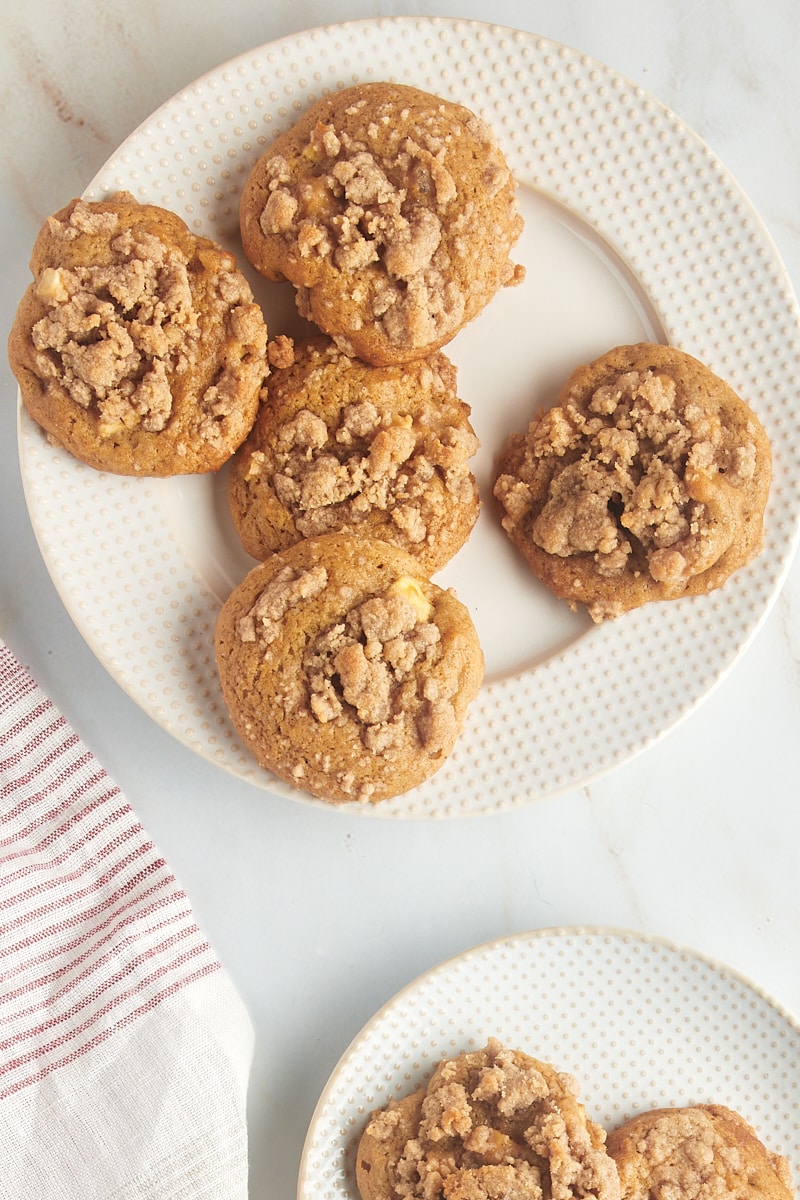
<point>392,212</point>
<point>648,480</point>
<point>492,1124</point>
<point>340,446</point>
<point>138,347</point>
<point>702,1152</point>
<point>346,672</point>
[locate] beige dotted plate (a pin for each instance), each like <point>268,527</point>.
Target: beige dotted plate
<point>639,1022</point>
<point>633,230</point>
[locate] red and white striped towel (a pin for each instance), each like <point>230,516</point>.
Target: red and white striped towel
<point>124,1049</point>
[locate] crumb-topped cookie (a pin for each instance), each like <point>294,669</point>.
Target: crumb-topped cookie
<point>494,1124</point>
<point>344,670</point>
<point>392,211</point>
<point>703,1152</point>
<point>648,480</point>
<point>341,446</point>
<point>138,346</point>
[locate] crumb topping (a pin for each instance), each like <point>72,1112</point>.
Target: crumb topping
<point>493,1127</point>
<point>114,336</point>
<point>280,351</point>
<point>345,209</point>
<point>368,668</point>
<point>632,467</point>
<point>262,622</point>
<point>371,460</point>
<point>522,1182</point>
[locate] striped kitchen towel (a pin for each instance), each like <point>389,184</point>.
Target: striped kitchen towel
<point>124,1049</point>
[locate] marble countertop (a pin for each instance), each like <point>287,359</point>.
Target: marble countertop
<point>320,916</point>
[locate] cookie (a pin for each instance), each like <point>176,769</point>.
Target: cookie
<point>346,672</point>
<point>704,1152</point>
<point>138,346</point>
<point>493,1124</point>
<point>647,481</point>
<point>393,212</point>
<point>341,446</point>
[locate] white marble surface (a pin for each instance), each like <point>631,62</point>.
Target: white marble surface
<point>320,916</point>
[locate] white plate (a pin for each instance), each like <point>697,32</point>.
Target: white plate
<point>634,230</point>
<point>640,1023</point>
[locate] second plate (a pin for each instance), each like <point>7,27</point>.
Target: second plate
<point>640,1022</point>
